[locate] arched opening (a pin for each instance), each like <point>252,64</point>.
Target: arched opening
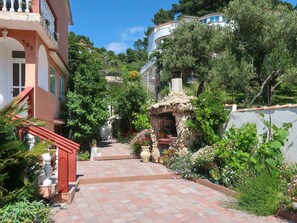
<point>42,68</point>
<point>12,68</point>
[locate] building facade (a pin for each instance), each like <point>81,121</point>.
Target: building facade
<point>34,53</point>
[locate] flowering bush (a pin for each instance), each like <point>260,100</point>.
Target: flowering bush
<point>292,187</point>
<point>203,158</point>
<point>143,138</point>
<point>228,176</point>
<point>182,166</point>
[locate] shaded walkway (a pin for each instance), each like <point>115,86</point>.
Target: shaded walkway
<point>165,200</point>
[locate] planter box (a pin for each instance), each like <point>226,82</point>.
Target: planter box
<point>287,215</point>
<point>214,186</point>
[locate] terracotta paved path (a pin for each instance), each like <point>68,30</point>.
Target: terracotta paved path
<point>170,200</point>
<point>119,168</point>
<point>113,148</point>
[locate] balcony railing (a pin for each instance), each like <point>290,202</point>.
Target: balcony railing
<point>15,5</point>
<point>48,18</point>
<point>38,14</point>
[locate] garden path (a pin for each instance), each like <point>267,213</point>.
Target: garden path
<point>127,190</point>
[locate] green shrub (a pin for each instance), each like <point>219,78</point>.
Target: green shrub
<point>259,193</point>
<point>243,147</point>
<point>19,167</point>
<point>25,211</point>
<point>141,119</point>
<point>209,114</point>
<point>235,150</point>
<point>181,165</point>
<point>204,158</point>
<point>83,156</point>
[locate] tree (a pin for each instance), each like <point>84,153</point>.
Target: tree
<point>199,7</point>
<point>224,75</point>
<point>208,114</point>
<point>135,58</point>
<point>86,99</point>
<point>264,38</point>
<point>189,51</point>
<point>128,99</point>
<point>163,16</point>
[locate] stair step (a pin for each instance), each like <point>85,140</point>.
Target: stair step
<point>119,157</point>
<point>125,179</point>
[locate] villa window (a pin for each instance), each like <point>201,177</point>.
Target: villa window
<point>18,54</point>
<point>52,81</point>
<point>61,83</point>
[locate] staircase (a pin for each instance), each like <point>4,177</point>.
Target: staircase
<point>64,181</point>
<point>117,164</point>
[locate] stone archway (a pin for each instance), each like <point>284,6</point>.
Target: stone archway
<point>43,78</point>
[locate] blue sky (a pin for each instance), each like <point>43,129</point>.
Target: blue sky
<point>116,24</point>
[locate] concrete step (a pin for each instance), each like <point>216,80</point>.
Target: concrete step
<point>125,179</point>
<point>118,157</point>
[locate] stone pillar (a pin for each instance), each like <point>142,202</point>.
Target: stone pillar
<point>177,85</point>
<point>47,169</point>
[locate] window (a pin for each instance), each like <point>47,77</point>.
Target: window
<point>53,81</point>
<point>18,54</point>
<point>212,19</point>
<point>217,18</point>
<point>62,91</point>
<point>203,20</point>
<point>18,77</point>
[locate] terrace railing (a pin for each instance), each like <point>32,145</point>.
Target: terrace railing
<point>16,5</point>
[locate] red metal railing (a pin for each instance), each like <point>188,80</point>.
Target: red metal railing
<point>67,149</point>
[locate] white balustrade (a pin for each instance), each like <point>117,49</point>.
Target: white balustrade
<point>9,5</point>
<point>20,6</point>
<point>12,5</point>
<point>27,6</point>
<point>4,6</point>
<point>47,169</point>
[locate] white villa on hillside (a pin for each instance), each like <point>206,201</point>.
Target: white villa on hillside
<point>149,75</point>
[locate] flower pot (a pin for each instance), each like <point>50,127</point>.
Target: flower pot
<point>145,154</point>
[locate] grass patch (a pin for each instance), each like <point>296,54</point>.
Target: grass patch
<point>259,193</point>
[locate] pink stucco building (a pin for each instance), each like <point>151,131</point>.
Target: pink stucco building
<point>34,53</point>
<point>33,66</point>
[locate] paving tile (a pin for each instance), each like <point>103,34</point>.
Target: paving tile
<point>156,201</point>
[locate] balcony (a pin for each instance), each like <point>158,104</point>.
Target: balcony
<point>30,15</point>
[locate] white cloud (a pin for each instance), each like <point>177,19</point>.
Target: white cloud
<point>127,37</point>
<point>117,47</point>
<point>136,29</point>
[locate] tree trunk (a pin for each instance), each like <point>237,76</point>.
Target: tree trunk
<point>200,88</point>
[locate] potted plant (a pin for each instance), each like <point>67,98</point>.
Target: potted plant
<point>47,22</point>
<point>145,149</point>
<point>141,139</point>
